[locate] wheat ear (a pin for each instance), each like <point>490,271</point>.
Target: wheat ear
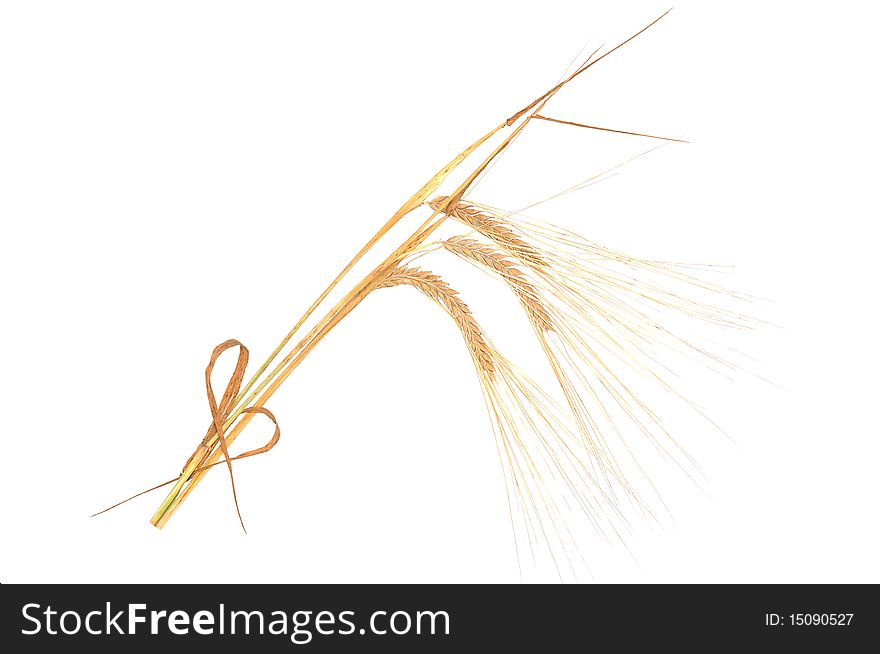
<point>443,294</point>
<point>492,228</point>
<point>496,261</point>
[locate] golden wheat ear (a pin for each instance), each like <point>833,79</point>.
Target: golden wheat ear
<point>493,228</point>
<point>498,262</point>
<point>440,292</point>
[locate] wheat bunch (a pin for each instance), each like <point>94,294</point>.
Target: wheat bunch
<point>592,315</point>
<point>599,317</point>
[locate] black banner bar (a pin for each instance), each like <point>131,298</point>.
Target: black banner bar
<point>319,618</point>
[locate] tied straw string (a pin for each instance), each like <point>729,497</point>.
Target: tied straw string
<point>219,414</point>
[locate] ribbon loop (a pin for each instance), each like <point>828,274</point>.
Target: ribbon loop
<point>220,413</point>
<point>272,441</point>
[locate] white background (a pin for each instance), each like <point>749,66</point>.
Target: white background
<point>173,174</point>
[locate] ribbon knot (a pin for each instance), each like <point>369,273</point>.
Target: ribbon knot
<point>220,414</point>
